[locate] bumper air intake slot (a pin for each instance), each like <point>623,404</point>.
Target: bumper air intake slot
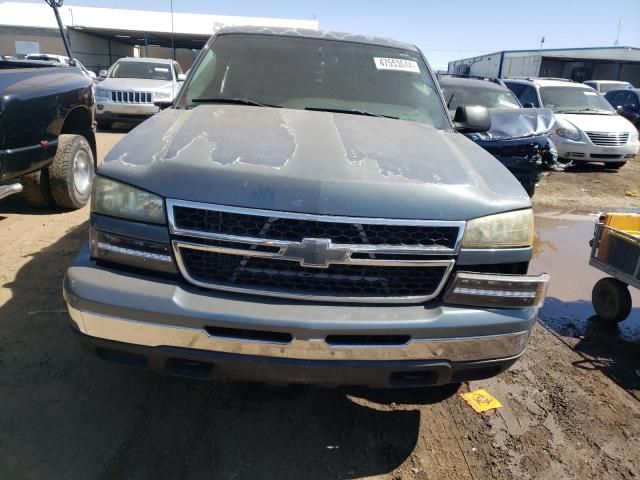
<point>188,368</point>
<point>365,340</point>
<point>254,335</point>
<point>415,378</point>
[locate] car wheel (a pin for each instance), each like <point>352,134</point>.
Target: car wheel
<point>104,125</point>
<point>71,173</point>
<point>611,300</point>
<point>615,165</point>
<point>35,186</point>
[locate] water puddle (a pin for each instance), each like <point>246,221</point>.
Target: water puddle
<point>562,250</point>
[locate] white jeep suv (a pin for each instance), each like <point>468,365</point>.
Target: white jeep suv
<point>132,86</point>
<point>587,127</point>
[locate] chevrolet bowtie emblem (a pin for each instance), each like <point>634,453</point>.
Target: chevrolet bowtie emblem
<point>315,252</point>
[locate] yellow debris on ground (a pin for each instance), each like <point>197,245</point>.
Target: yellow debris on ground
<point>632,193</point>
<point>481,401</point>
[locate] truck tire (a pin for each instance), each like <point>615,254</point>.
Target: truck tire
<point>611,300</point>
<point>35,186</point>
<point>71,173</point>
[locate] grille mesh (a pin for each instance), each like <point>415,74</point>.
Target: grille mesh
<point>608,139</point>
<point>296,229</point>
<point>131,97</point>
<point>338,280</point>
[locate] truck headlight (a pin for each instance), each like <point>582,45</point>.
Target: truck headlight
<point>118,199</point>
<point>504,230</point>
<point>633,137</point>
<point>101,92</point>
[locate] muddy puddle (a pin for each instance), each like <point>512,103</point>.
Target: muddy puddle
<point>562,250</point>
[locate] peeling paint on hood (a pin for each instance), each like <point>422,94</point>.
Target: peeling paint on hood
<point>313,162</point>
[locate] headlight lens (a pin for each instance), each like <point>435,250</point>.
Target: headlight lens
<point>633,137</point>
<point>101,92</point>
<point>505,230</point>
<point>570,133</point>
<point>118,199</point>
<point>162,95</point>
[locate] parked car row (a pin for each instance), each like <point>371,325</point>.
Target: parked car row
<point>587,127</point>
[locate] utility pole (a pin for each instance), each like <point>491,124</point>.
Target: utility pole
<point>173,50</point>
<point>540,56</point>
<point>617,42</point>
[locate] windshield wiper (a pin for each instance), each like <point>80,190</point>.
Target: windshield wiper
<point>588,110</point>
<point>234,100</point>
<point>351,112</point>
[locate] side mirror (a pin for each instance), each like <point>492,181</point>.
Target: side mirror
<point>182,77</point>
<point>620,109</point>
<point>102,74</point>
<point>472,118</point>
<point>162,104</point>
<point>528,105</point>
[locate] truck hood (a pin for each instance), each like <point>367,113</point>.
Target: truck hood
<point>26,80</point>
<point>598,123</point>
<point>313,162</point>
<point>134,84</point>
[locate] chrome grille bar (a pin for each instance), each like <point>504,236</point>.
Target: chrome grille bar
<point>278,261</point>
<point>120,96</point>
<point>608,139</point>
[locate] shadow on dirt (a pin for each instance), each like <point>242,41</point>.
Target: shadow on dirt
<point>120,127</point>
<point>66,414</point>
<point>17,204</point>
<point>612,348</point>
<point>590,168</point>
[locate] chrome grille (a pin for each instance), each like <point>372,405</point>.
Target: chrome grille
<point>608,139</point>
<point>131,97</point>
<point>313,257</point>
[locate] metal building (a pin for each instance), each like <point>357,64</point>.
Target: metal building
<point>578,64</point>
<point>99,36</point>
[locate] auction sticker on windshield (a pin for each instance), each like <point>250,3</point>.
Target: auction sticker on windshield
<point>397,64</point>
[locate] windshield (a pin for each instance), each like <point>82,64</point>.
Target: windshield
<point>144,70</point>
<point>607,86</point>
<point>574,100</point>
<point>314,74</point>
<point>457,95</point>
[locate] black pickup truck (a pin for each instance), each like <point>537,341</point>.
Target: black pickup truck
<point>47,133</point>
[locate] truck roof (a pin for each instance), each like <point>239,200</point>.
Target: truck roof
<point>319,34</point>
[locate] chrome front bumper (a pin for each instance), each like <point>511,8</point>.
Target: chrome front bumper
<point>108,108</point>
<point>461,349</point>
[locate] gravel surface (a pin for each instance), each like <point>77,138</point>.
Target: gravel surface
<point>570,406</point>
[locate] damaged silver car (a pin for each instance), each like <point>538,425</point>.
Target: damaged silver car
<point>306,211</point>
<point>518,137</point>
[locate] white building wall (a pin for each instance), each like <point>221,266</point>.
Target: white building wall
<point>520,66</point>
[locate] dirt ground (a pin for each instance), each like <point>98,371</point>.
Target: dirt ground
<point>571,406</point>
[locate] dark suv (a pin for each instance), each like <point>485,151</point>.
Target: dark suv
<point>307,212</point>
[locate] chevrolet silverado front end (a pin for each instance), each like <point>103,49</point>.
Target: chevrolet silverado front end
<point>299,218</point>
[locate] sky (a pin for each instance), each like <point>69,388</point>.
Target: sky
<point>444,30</point>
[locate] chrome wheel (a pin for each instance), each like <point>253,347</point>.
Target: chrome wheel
<point>82,169</point>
